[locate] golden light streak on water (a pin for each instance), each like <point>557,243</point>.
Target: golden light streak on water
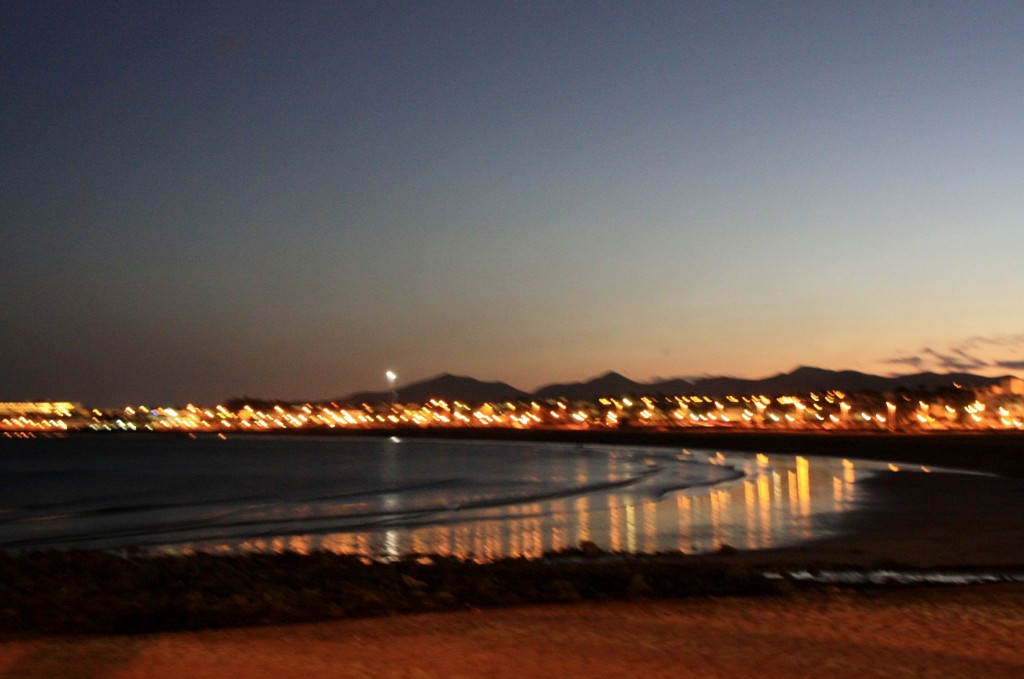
<point>631,528</point>
<point>750,513</point>
<point>582,503</point>
<point>391,544</point>
<point>494,537</point>
<point>719,515</point>
<point>684,509</point>
<point>536,535</point>
<point>803,480</point>
<point>614,523</point>
<point>764,500</point>
<point>516,543</point>
<point>849,477</point>
<point>649,520</point>
<point>560,534</point>
<point>416,541</point>
<point>582,507</point>
<point>769,508</point>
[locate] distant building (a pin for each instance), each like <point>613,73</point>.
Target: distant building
<point>44,409</point>
<point>1012,385</point>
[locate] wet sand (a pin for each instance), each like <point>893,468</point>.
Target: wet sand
<point>922,520</point>
<point>928,520</point>
<point>935,520</point>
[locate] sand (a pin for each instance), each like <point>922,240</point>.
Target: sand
<point>954,632</point>
<point>936,520</point>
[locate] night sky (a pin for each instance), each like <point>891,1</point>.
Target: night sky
<point>285,200</point>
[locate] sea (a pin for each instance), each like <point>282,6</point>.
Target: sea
<point>392,497</point>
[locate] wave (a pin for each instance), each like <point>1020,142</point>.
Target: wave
<point>323,494</point>
<point>735,475</point>
<point>342,519</point>
<point>234,523</point>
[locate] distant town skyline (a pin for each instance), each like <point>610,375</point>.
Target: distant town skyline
<point>398,391</point>
<point>201,201</point>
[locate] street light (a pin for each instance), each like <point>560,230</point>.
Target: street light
<point>391,381</point>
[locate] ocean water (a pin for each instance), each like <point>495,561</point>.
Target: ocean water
<point>388,497</point>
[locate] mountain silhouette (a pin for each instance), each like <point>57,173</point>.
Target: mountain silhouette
<point>609,384</point>
<point>445,386</point>
<point>801,380</point>
<point>804,380</point>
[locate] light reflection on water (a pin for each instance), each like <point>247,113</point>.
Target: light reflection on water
<point>779,500</point>
<point>388,498</point>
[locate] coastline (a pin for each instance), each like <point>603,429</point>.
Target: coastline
<point>985,451</point>
<point>932,522</point>
<point>925,521</point>
<point>936,520</point>
<point>721,620</point>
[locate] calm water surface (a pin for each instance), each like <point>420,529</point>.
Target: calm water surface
<point>389,497</point>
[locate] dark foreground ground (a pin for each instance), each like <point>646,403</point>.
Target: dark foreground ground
<point>713,615</point>
<point>958,632</point>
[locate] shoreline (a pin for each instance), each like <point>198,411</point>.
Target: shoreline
<point>985,451</point>
<point>927,521</point>
<point>921,520</point>
<point>924,521</point>
<point>994,452</point>
<point>918,521</point>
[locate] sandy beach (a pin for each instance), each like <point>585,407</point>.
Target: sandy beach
<point>934,520</point>
<point>957,632</point>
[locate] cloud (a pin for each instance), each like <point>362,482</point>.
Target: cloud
<point>916,362</point>
<point>979,353</point>
<point>969,360</point>
<point>954,359</point>
<point>1012,341</point>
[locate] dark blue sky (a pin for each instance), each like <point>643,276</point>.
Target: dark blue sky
<point>201,200</point>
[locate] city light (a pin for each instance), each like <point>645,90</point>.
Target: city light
<point>987,408</point>
<point>391,382</point>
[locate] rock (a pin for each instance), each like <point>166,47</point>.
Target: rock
<point>560,590</point>
<point>638,585</point>
<point>413,583</point>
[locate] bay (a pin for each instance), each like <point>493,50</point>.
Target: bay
<point>389,497</point>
